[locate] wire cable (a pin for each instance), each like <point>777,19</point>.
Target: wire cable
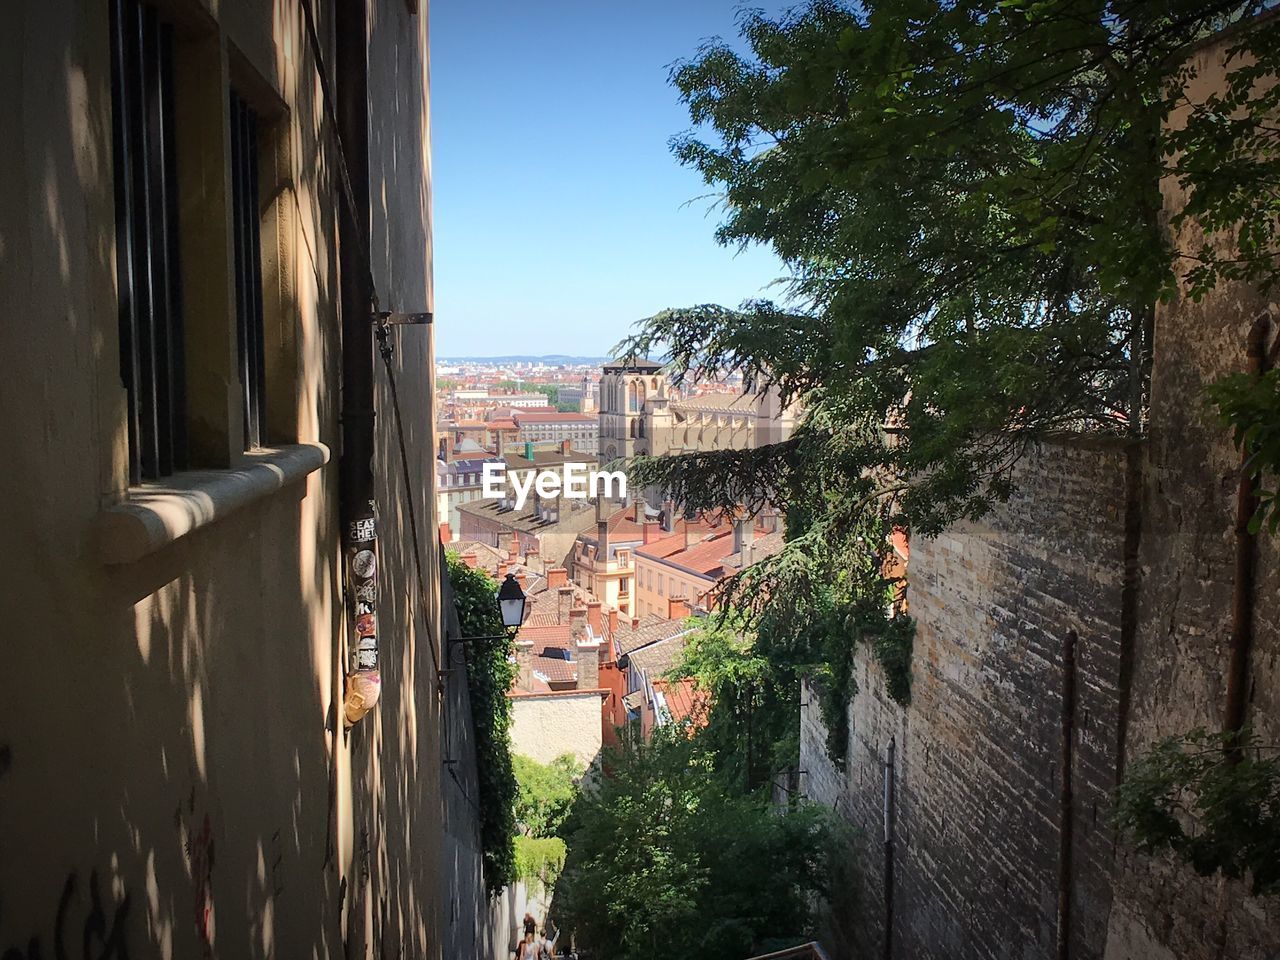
<point>386,352</point>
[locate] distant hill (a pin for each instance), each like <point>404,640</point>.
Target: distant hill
<point>551,359</point>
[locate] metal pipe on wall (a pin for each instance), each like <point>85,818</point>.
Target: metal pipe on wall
<point>1241,633</point>
<point>356,298</point>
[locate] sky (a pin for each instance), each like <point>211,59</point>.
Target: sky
<point>560,216</point>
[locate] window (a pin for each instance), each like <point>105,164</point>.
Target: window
<point>660,593</point>
<point>152,365</point>
<point>247,244</point>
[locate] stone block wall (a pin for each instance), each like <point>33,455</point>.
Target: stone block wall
<point>977,753</point>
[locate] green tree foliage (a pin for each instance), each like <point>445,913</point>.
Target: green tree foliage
<point>490,674</point>
<point>539,860</point>
<point>1211,798</point>
<point>669,860</point>
<point>546,792</point>
<point>1252,407</point>
<point>966,196</point>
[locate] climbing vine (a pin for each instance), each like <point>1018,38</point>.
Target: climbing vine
<point>1251,407</point>
<point>1212,799</point>
<point>490,672</point>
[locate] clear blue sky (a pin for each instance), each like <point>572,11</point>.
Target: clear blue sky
<point>561,217</point>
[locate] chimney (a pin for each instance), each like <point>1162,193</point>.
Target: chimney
<point>528,450</point>
<point>471,560</point>
<point>602,530</point>
<point>669,516</point>
<point>593,617</point>
<point>564,596</point>
<point>587,653</point>
<point>520,579</point>
<point>503,567</point>
<point>513,551</point>
<point>613,621</point>
<point>678,608</point>
<point>566,446</point>
<point>652,530</point>
<point>446,535</point>
<point>557,577</point>
<point>744,533</point>
<point>524,663</point>
<point>639,505</point>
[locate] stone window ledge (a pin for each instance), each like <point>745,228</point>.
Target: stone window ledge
<point>154,515</point>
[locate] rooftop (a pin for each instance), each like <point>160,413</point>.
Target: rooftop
<point>527,520</point>
<point>632,365</point>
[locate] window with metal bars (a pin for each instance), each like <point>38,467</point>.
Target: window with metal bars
<point>247,239</point>
<point>148,277</point>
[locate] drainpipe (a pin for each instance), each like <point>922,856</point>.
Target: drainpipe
<point>356,297</point>
<point>1066,822</point>
<point>1241,636</point>
<point>888,847</point>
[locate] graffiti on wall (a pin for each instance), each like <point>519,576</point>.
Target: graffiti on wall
<point>198,849</point>
<point>86,926</point>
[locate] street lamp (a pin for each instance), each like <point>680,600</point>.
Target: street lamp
<point>511,603</point>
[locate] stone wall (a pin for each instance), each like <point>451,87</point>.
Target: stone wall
<point>1162,909</point>
<point>977,754</point>
<point>976,847</point>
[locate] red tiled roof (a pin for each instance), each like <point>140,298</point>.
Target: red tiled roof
<point>501,425</point>
<point>685,700</point>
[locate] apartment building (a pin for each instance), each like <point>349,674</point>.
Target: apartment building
<point>177,770</point>
<point>686,566</point>
<point>580,431</point>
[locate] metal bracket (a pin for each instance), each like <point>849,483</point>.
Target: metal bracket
<point>397,318</point>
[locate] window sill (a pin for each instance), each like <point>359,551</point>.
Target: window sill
<point>156,514</point>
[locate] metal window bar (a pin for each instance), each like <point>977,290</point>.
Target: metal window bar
<point>247,237</point>
<point>147,268</point>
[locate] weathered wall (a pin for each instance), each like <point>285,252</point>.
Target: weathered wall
<point>978,812</point>
<point>173,782</point>
<point>1162,909</point>
<point>547,725</point>
<point>977,753</point>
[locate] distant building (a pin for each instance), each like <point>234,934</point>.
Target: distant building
<point>546,527</point>
<point>630,392</point>
<point>580,430</point>
<point>685,566</point>
<point>458,481</point>
<point>602,562</point>
<point>640,414</point>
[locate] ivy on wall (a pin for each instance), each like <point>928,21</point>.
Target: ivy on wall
<point>1212,799</point>
<point>490,673</point>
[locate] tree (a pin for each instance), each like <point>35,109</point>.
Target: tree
<point>490,673</point>
<point>546,792</point>
<point>669,860</point>
<point>966,196</point>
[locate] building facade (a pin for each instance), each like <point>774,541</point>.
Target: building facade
<point>176,779</point>
<point>580,431</point>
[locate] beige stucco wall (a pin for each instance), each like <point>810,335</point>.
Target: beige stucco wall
<point>169,745</point>
<point>546,726</point>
